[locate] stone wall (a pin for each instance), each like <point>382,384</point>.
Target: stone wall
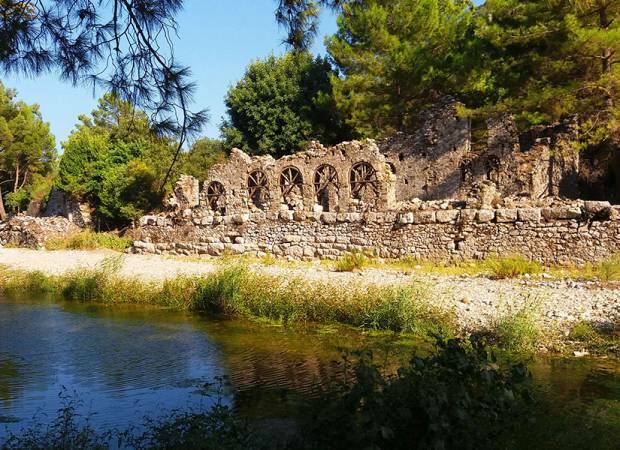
<point>34,232</point>
<point>556,233</point>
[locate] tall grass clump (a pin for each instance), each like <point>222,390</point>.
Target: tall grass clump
<point>350,262</point>
<point>18,282</point>
<point>609,269</point>
<point>89,240</point>
<point>511,267</point>
<point>519,332</point>
<point>237,291</point>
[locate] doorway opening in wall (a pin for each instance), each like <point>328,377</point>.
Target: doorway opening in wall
<point>292,188</point>
<point>364,182</point>
<point>258,189</point>
<point>216,197</point>
<point>326,188</point>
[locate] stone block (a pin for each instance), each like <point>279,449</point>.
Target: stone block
<point>405,218</point>
<point>295,251</point>
<point>598,209</point>
<point>467,215</point>
<point>328,218</point>
<point>562,213</point>
<point>506,215</point>
<point>424,217</point>
<point>447,216</point>
<point>288,238</point>
<point>286,215</point>
<point>485,215</point>
<point>529,214</point>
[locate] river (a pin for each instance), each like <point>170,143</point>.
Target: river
<point>121,364</point>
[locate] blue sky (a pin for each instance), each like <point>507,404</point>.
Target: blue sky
<point>217,39</point>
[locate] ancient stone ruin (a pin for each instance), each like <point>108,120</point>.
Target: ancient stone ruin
<point>448,191</point>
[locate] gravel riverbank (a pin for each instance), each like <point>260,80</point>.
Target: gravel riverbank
<point>477,301</point>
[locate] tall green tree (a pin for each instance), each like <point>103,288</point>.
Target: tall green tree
<point>281,103</point>
<point>27,150</point>
<point>115,161</point>
<point>201,156</point>
<point>395,58</point>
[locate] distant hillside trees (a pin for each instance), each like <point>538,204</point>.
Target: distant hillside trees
<point>282,103</point>
<point>27,153</point>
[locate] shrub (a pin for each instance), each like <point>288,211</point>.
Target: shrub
<point>583,331</point>
<point>518,332</point>
<point>457,398</point>
<point>350,262</point>
<point>89,240</point>
<point>512,267</point>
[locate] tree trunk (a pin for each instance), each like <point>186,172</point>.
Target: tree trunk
<point>606,53</point>
<point>3,215</point>
<point>15,185</point>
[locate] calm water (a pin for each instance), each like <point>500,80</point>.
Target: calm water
<point>123,364</point>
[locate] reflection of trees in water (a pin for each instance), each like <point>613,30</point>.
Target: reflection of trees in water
<point>270,367</point>
<point>582,379</point>
<point>9,375</point>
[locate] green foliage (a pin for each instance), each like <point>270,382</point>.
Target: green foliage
<point>236,291</point>
<point>89,240</point>
<point>27,151</point>
<point>350,262</point>
<point>394,58</point>
<point>538,59</point>
<point>609,269</point>
<point>199,159</point>
<point>512,266</point>
<point>282,103</point>
<point>518,332</point>
<point>115,161</point>
<point>460,397</point>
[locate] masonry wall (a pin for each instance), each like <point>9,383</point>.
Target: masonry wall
<point>566,234</point>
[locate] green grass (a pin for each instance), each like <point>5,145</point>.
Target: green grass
<point>595,337</point>
<point>519,331</point>
<point>511,267</point>
<point>236,291</point>
<point>609,269</point>
<point>350,262</point>
<point>89,240</point>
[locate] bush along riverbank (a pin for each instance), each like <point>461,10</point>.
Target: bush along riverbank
<point>241,291</point>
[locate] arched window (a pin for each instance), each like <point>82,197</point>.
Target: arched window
<point>467,170</point>
<point>491,168</point>
<point>258,189</point>
<point>216,196</point>
<point>364,183</point>
<point>292,187</point>
<point>326,187</point>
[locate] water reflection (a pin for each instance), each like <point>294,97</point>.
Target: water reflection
<point>127,363</point>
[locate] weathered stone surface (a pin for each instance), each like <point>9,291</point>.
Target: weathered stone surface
<point>529,214</point>
<point>34,232</point>
<point>506,215</point>
<point>447,216</point>
<point>485,215</point>
<point>562,213</point>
